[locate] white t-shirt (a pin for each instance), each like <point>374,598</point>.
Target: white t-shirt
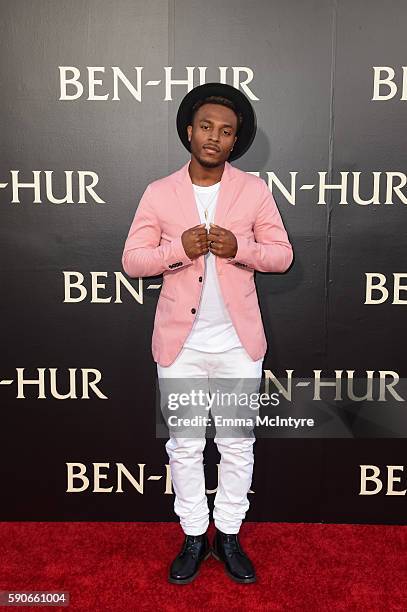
<point>213,330</point>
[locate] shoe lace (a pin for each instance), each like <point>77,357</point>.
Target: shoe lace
<point>192,544</point>
<point>231,544</point>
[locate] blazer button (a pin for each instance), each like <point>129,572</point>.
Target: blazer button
<point>193,310</point>
<point>200,279</point>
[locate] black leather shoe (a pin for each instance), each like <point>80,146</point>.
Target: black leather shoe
<point>226,548</point>
<point>186,564</point>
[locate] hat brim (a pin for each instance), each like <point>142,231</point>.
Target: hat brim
<point>248,129</point>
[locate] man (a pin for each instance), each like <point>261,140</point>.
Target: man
<point>207,227</point>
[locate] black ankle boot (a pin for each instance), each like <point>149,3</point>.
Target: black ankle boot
<point>186,564</point>
<point>226,548</point>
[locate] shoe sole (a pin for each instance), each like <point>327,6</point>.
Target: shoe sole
<point>239,580</point>
<point>191,578</point>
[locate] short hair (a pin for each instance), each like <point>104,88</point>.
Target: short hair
<point>218,100</point>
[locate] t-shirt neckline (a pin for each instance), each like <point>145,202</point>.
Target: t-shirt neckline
<point>205,187</point>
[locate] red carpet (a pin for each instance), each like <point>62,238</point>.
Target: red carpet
<point>123,567</point>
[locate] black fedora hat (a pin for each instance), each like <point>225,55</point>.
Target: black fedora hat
<point>247,131</point>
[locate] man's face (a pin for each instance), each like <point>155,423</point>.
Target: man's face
<point>214,125</point>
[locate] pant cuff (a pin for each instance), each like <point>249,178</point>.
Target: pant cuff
<point>195,531</point>
<point>227,528</point>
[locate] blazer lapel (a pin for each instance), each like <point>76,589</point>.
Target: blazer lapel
<point>186,196</point>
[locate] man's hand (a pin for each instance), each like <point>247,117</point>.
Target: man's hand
<point>224,243</point>
<point>195,241</point>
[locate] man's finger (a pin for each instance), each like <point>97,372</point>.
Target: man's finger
<point>212,236</point>
<point>200,231</point>
<point>216,229</point>
<point>216,250</point>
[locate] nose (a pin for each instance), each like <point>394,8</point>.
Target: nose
<point>214,136</point>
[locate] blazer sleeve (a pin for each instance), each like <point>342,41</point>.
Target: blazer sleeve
<point>143,255</point>
<point>271,250</point>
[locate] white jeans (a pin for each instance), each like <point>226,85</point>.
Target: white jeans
<point>186,453</point>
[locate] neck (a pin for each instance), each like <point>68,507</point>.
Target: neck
<point>203,176</point>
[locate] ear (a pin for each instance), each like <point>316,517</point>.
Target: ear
<point>189,130</point>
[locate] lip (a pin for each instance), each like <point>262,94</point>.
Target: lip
<point>211,149</point>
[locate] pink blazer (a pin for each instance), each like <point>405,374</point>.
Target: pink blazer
<point>167,207</point>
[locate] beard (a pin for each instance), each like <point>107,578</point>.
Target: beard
<point>207,163</point>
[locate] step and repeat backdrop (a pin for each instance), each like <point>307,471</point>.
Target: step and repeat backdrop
<point>89,96</point>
